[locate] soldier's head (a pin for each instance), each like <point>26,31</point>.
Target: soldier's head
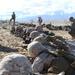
<point>34,34</point>
<point>40,39</point>
<point>13,28</point>
<point>71,19</point>
<point>39,28</point>
<point>13,12</point>
<point>29,30</point>
<point>15,64</point>
<point>19,29</point>
<point>34,48</point>
<point>39,17</point>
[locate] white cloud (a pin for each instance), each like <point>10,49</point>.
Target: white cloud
<point>25,8</point>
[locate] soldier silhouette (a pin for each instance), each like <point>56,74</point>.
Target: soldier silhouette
<point>13,17</point>
<point>39,20</point>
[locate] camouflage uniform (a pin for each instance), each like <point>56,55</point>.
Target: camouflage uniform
<point>19,31</point>
<point>42,60</point>
<point>28,31</point>
<point>12,30</point>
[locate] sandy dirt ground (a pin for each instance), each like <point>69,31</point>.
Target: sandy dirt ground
<point>9,43</point>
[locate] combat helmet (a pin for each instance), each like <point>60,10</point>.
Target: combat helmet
<point>29,30</point>
<point>34,48</point>
<point>40,39</point>
<point>71,19</point>
<point>15,64</point>
<point>39,28</point>
<point>34,34</point>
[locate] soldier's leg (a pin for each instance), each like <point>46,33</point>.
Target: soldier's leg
<point>10,20</point>
<point>14,21</point>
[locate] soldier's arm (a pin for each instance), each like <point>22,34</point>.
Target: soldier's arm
<point>37,67</point>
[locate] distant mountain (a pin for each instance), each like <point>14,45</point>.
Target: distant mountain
<point>57,16</point>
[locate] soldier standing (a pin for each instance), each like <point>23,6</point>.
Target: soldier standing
<point>39,20</point>
<point>72,32</point>
<point>13,17</point>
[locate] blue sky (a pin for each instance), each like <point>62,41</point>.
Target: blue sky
<point>30,9</point>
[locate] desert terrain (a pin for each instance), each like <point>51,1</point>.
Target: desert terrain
<point>9,43</point>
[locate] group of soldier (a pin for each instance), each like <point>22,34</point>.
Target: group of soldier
<point>47,53</point>
<point>40,20</point>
